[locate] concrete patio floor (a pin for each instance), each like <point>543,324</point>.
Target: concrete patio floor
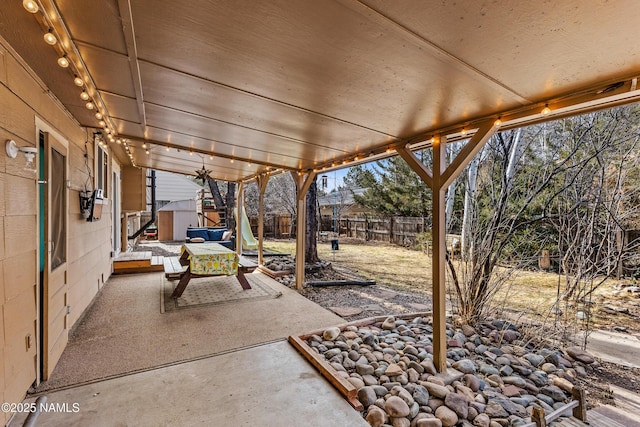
<point>127,363</point>
<point>266,385</point>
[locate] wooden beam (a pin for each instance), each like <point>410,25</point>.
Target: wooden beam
<point>239,204</point>
<point>344,387</point>
<point>438,235</point>
<point>434,179</point>
<point>307,180</point>
<point>423,172</point>
<point>468,152</point>
<point>439,180</point>
<point>262,181</point>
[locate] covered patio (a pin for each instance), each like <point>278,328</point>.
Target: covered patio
<point>217,364</point>
<point>246,90</point>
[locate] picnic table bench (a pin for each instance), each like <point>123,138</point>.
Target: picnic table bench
<point>206,260</point>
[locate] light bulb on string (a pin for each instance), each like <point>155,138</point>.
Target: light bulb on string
<point>50,39</point>
<point>78,81</point>
<point>84,96</point>
<point>63,62</point>
<point>30,5</point>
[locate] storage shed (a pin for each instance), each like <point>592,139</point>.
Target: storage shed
<point>175,217</point>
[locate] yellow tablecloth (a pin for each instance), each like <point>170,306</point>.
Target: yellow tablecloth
<point>211,258</point>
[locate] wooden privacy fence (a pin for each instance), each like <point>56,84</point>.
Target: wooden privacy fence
<point>398,230</point>
<point>278,226</point>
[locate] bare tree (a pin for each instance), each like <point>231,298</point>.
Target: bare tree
<point>522,181</point>
<point>311,243</point>
<point>280,196</point>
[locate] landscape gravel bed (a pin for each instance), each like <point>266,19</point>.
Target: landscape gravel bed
<point>493,378</point>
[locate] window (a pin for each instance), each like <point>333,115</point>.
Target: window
<point>58,208</point>
<point>102,170</point>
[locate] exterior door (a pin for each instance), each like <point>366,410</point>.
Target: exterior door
<point>54,296</point>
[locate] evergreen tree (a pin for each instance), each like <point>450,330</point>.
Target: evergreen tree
<point>392,188</point>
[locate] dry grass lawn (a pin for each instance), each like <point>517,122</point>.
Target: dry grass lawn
<point>531,293</point>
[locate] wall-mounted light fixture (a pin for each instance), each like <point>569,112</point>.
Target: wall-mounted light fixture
<point>29,153</point>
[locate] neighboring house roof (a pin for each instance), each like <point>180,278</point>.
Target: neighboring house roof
<point>344,196</point>
<point>180,205</point>
<point>173,186</point>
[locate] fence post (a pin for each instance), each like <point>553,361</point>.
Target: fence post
<point>537,416</point>
<point>366,227</point>
<point>391,230</point>
<point>580,411</point>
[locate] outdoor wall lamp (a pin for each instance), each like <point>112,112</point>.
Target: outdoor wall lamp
<point>29,153</point>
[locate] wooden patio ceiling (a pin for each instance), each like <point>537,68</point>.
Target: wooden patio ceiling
<point>245,86</point>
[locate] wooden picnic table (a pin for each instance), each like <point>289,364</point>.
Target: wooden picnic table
<point>210,259</point>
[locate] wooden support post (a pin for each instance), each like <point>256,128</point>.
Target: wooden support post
<point>580,411</point>
<point>239,205</point>
<point>438,180</point>
<point>303,182</point>
<point>538,417</point>
<point>438,274</point>
<point>262,180</point>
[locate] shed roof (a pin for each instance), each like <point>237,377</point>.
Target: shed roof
<point>180,205</point>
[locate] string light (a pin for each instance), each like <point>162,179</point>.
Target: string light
<point>101,123</point>
<point>78,81</point>
<point>84,96</point>
<point>89,105</point>
<point>144,145</point>
<point>497,122</point>
<point>49,38</point>
<point>463,132</point>
<point>168,148</point>
<point>99,116</point>
<point>147,151</point>
<point>546,110</point>
<point>30,5</point>
<point>63,62</point>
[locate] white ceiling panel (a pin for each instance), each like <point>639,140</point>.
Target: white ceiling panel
<point>301,84</point>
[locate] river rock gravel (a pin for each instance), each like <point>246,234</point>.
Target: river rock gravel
<point>493,378</point>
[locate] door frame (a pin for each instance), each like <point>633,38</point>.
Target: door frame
<point>116,207</point>
<point>41,281</point>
